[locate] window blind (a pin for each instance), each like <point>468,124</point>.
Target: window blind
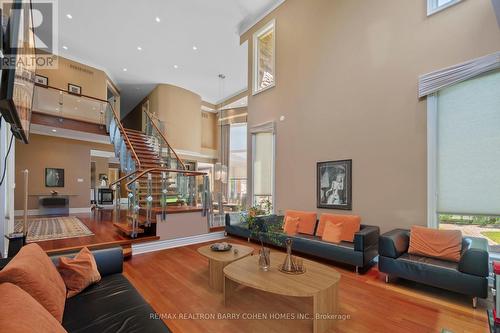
<point>468,147</point>
<point>438,80</point>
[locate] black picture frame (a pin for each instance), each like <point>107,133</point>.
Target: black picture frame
<point>41,80</point>
<point>334,185</point>
<point>74,89</point>
<point>54,177</point>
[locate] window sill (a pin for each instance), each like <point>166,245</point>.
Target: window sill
<point>431,12</point>
<point>255,92</point>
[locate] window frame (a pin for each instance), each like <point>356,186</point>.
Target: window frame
<point>433,8</point>
<point>271,25</point>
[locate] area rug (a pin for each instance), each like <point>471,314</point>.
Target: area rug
<point>50,228</point>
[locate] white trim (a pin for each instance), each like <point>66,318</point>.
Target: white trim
<point>270,26</point>
<point>432,146</point>
<point>141,248</point>
<point>102,153</point>
<point>266,127</point>
<point>433,8</point>
<point>32,212</point>
<point>190,153</point>
<point>247,25</point>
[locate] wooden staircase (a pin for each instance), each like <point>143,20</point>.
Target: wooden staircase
<point>148,154</point>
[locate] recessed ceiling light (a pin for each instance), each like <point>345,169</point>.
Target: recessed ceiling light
<point>125,69</point>
<point>54,130</point>
<point>65,47</point>
<point>175,66</point>
<point>195,48</point>
<point>139,48</point>
<point>69,16</point>
<point>157,19</point>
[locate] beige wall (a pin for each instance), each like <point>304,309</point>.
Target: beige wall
<point>92,80</point>
<point>52,152</point>
<point>347,73</point>
<point>208,130</point>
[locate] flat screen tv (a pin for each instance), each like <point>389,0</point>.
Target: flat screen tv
<point>18,69</point>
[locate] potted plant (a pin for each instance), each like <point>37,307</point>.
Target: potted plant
<point>258,229</point>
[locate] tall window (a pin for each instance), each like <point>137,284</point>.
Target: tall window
<point>263,167</point>
<point>434,6</point>
<point>264,58</point>
<point>467,125</point>
<point>238,164</point>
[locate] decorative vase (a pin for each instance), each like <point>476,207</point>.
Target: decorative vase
<point>264,258</point>
<point>288,265</point>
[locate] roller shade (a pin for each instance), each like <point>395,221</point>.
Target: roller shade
<point>444,78</point>
<point>468,147</point>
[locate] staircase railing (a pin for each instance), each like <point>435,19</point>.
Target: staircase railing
<point>162,145</point>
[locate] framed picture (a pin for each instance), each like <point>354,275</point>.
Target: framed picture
<point>41,80</point>
<point>334,185</point>
<point>74,89</point>
<point>54,177</point>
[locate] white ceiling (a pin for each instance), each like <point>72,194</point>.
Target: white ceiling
<point>106,33</point>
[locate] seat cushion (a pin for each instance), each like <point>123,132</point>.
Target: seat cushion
<point>351,225</point>
<point>33,271</point>
<point>307,220</point>
<point>441,244</point>
<point>22,313</point>
<point>79,272</point>
<point>111,305</point>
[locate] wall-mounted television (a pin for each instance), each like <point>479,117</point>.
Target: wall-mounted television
<point>18,68</point>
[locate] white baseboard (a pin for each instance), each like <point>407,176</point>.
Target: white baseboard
<point>37,211</point>
<point>178,242</point>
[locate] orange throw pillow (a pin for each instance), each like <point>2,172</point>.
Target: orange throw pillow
<point>291,226</point>
<point>351,225</point>
<point>332,232</point>
<point>22,313</point>
<point>79,272</point>
<point>307,221</point>
<point>441,244</point>
<point>33,271</point>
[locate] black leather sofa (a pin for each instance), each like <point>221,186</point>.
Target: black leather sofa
<point>469,276</point>
<point>112,304</point>
<point>359,253</point>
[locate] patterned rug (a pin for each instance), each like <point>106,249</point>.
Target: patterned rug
<point>50,228</point>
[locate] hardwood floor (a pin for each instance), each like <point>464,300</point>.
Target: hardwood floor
<point>100,222</point>
<point>175,283</point>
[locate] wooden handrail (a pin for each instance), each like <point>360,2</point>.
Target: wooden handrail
<point>164,139</point>
<point>117,119</point>
<point>123,177</point>
<point>143,172</point>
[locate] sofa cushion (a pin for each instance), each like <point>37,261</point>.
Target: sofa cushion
<point>79,272</point>
<point>332,232</point>
<point>22,313</point>
<point>307,222</point>
<point>110,305</point>
<point>291,226</point>
<point>33,271</point>
<point>441,244</point>
<point>351,225</point>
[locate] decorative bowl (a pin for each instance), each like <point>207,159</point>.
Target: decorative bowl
<point>221,247</point>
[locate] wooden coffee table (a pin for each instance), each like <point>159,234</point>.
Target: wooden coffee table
<point>218,260</point>
<point>319,282</point>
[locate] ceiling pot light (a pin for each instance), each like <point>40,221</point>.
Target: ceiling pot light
<point>139,48</point>
<point>65,47</point>
<point>157,19</point>
<point>195,48</point>
<point>69,16</point>
<point>125,69</point>
<point>175,66</point>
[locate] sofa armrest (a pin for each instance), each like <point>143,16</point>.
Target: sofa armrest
<point>474,259</point>
<point>394,243</point>
<point>366,237</point>
<point>109,261</point>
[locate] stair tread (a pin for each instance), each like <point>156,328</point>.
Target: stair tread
<point>127,228</point>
